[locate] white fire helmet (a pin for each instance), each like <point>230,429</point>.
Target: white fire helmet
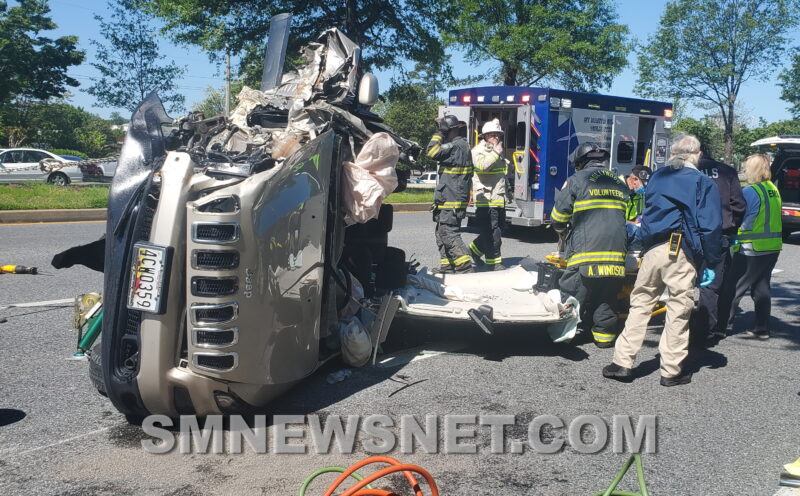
<point>493,126</point>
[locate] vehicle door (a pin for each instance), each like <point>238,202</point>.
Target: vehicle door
<point>787,177</point>
<point>521,159</point>
<point>18,169</point>
<point>32,159</point>
<point>623,143</point>
<point>462,114</point>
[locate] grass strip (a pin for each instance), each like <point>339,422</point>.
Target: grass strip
<point>412,196</point>
<point>40,196</point>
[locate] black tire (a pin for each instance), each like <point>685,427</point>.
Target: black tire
<point>58,178</point>
<point>787,235</point>
<point>96,369</point>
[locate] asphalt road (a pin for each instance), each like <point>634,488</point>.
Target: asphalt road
<point>727,433</point>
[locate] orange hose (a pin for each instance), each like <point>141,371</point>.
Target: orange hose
<point>373,459</point>
<point>390,470</point>
<point>374,492</point>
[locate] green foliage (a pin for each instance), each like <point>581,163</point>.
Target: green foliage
<point>38,196</point>
<point>743,138</point>
<point>117,119</point>
<point>129,63</point>
<point>706,130</point>
<point>709,131</point>
<point>705,50</point>
<point>59,125</point>
<point>214,102</point>
<point>790,85</point>
<point>577,44</point>
<point>67,151</point>
<point>410,111</point>
<point>34,66</point>
<point>388,31</point>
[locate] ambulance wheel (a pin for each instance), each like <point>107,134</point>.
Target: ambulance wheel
<point>787,235</point>
<point>96,369</point>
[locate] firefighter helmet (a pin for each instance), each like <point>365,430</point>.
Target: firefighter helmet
<point>586,153</point>
<point>449,122</point>
<point>493,126</point>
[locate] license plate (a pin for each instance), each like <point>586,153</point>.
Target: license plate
<point>149,269</point>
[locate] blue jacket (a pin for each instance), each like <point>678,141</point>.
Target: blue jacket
<point>683,200</point>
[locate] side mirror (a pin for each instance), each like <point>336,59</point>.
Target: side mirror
<point>368,90</point>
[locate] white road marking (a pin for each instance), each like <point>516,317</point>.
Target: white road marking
<point>67,440</point>
<point>49,303</point>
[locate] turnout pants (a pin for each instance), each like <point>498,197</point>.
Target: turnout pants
<point>598,299</point>
<point>452,249</point>
<point>490,238</point>
<point>753,274</point>
<point>659,271</point>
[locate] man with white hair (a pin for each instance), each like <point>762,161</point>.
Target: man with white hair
<point>681,228</point>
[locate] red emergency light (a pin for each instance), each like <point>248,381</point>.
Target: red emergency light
<point>526,98</point>
<point>466,98</point>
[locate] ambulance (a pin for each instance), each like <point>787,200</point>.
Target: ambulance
<point>543,128</point>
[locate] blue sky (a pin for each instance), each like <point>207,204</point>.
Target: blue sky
<point>75,17</point>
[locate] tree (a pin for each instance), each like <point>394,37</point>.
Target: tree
<point>577,44</point>
<point>58,125</point>
<point>388,31</point>
<point>117,119</point>
<point>410,111</point>
<point>130,65</point>
<point>705,50</point>
<point>764,130</point>
<point>214,102</point>
<point>34,66</point>
<point>706,130</point>
<point>790,84</point>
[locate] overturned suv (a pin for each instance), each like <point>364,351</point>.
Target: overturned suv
<point>227,255</point>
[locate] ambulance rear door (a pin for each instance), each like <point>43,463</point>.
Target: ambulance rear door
<point>623,143</point>
<point>461,113</point>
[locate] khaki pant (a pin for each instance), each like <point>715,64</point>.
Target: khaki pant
<point>658,271</point>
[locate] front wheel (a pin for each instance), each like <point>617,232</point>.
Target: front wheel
<point>58,178</point>
<point>96,369</point>
<point>787,235</point>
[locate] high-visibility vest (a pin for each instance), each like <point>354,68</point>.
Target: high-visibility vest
<point>767,228</point>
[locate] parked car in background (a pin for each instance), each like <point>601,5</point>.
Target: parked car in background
<point>100,173</point>
<point>72,158</point>
<point>429,178</point>
<point>21,164</point>
<point>786,176</point>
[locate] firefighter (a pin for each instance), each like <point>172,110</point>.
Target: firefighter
<point>451,150</point>
<point>593,203</point>
<point>489,186</point>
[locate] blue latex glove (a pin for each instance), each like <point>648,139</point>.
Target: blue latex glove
<point>708,278</point>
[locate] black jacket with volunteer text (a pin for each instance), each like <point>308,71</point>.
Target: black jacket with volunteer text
<point>593,200</point>
<point>455,170</point>
<point>730,192</point>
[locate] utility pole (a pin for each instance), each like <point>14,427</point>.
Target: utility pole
<point>227,81</point>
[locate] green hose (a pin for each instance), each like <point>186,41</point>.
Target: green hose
<point>326,470</point>
<point>634,458</point>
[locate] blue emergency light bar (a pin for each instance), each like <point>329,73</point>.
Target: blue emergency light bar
<point>557,99</point>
